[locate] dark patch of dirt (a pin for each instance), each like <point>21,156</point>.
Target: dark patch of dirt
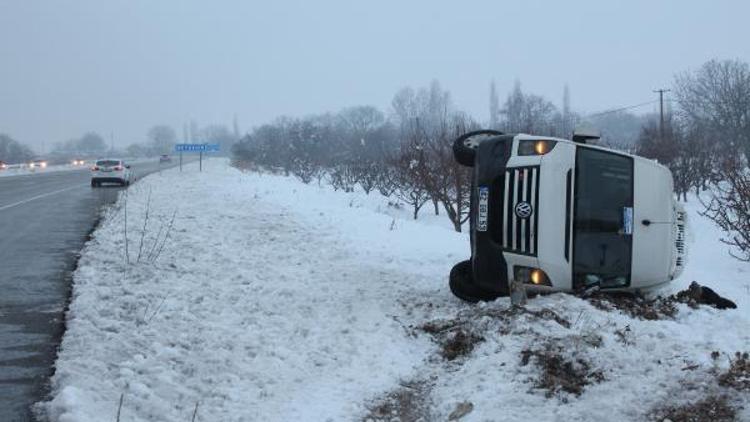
<point>634,305</point>
<point>549,315</point>
<point>738,374</point>
<point>459,343</point>
<point>464,319</point>
<point>637,306</point>
<point>559,373</point>
<point>458,337</point>
<point>462,409</point>
<point>409,403</point>
<point>710,409</point>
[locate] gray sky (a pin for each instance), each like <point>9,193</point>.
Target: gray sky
<point>121,66</point>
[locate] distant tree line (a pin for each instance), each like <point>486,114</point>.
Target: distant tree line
<point>12,151</point>
<point>405,154</point>
<point>90,144</point>
<point>161,139</point>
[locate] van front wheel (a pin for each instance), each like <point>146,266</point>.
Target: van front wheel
<point>462,284</point>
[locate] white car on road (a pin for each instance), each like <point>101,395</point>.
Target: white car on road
<point>110,171</point>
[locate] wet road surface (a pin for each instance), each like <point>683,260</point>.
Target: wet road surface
<point>44,222</point>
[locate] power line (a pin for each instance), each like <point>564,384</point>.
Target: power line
<point>615,110</point>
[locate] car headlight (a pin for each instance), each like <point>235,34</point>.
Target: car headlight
<point>535,146</point>
<point>533,276</point>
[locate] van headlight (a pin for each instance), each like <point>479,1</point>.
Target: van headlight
<point>535,146</point>
<point>533,276</point>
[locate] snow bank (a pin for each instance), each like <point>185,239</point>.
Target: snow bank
<point>275,300</point>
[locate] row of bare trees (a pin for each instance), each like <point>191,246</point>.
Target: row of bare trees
<point>12,151</point>
<point>706,144</point>
<point>405,155</point>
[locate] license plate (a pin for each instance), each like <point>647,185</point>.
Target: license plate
<point>484,199</point>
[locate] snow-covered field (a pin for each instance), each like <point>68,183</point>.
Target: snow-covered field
<point>259,298</point>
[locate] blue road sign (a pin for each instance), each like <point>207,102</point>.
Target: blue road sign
<point>196,147</point>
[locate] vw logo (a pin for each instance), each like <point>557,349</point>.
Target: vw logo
<point>523,209</point>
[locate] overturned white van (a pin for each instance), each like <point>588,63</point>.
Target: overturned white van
<point>560,215</point>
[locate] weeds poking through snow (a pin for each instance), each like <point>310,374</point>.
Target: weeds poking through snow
<point>458,337</point>
<point>462,409</point>
<point>149,247</point>
<point>119,407</point>
<point>661,307</point>
<point>125,209</point>
<point>459,343</point>
<point>155,253</point>
<point>625,336</point>
<point>145,224</point>
<point>635,306</point>
<point>738,375</point>
<point>710,409</point>
<point>195,412</point>
<point>158,308</point>
<point>561,374</point>
<point>409,403</point>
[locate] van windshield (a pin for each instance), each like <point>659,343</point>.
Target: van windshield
<point>602,244</point>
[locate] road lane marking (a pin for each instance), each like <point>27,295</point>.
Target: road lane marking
<point>34,198</point>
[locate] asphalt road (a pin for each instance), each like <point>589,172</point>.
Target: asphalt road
<point>44,222</point>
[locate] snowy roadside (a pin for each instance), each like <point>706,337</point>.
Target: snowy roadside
<point>275,300</point>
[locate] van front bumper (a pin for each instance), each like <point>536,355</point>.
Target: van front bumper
<point>489,268</point>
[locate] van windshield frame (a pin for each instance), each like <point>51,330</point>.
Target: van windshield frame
<point>603,199</point>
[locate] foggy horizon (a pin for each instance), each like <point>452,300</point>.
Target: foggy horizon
<point>121,67</point>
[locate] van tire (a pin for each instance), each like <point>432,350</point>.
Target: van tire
<point>462,285</point>
<point>464,151</point>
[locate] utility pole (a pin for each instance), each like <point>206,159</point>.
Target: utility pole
<point>661,111</point>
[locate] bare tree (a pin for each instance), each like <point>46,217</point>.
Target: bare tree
<point>450,183</point>
<point>717,97</point>
<point>494,106</point>
<point>12,151</point>
<point>218,134</point>
<point>161,139</point>
<point>729,205</point>
<point>528,113</point>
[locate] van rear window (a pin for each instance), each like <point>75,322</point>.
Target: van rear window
<point>107,163</point>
